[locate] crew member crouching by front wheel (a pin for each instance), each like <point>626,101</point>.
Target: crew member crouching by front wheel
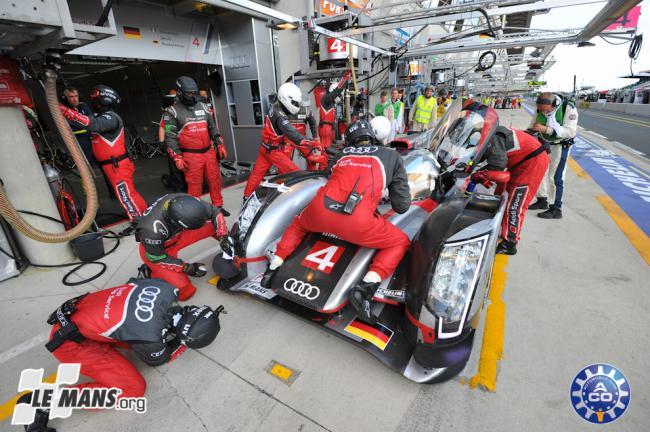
<point>144,316</point>
<point>346,206</point>
<point>172,223</point>
<point>277,127</point>
<point>526,161</point>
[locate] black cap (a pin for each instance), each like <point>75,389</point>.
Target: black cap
<point>359,131</point>
<point>186,211</point>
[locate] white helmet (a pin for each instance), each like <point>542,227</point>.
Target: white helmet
<point>381,127</point>
<point>290,96</point>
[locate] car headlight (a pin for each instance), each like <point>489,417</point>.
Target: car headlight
<point>246,216</point>
<point>453,281</point>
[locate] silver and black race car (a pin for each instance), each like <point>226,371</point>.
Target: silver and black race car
<point>429,308</point>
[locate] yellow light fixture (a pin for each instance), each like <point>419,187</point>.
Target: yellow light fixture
<point>286,26</point>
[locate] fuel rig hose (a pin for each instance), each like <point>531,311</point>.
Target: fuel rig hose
<point>13,217</point>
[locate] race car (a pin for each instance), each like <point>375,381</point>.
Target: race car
<point>430,307</point>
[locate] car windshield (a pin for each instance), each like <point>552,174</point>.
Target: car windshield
<point>460,143</point>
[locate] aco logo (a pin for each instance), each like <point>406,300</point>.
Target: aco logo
<point>600,393</point>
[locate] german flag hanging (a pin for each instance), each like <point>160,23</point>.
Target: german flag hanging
<point>132,32</point>
<point>376,334</point>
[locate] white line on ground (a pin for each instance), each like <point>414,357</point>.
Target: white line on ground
<point>23,347</point>
<point>598,135</point>
<point>628,148</point>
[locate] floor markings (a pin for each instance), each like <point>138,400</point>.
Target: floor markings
<point>23,347</point>
<point>628,148</point>
<point>598,135</point>
<point>577,169</point>
<point>634,234</point>
<point>644,174</point>
<point>282,372</point>
<point>495,318</point>
<point>7,408</point>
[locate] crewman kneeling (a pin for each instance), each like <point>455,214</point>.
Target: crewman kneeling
<point>172,223</point>
<point>142,315</point>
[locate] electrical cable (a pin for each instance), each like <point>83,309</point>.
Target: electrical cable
<point>77,264</point>
<point>634,50</point>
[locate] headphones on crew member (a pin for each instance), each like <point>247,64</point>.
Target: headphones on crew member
<point>557,100</point>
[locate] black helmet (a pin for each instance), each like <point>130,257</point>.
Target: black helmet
<point>358,132</point>
<point>187,90</point>
<point>103,97</point>
<point>198,326</point>
<point>186,211</point>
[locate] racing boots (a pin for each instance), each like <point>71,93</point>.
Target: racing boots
<point>551,213</point>
<point>360,298</point>
<point>540,204</point>
<point>507,248</point>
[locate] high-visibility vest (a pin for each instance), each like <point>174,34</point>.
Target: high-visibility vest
<point>397,106</point>
<point>380,108</point>
<point>559,117</point>
<point>424,109</point>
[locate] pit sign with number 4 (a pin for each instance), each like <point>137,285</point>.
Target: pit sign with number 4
<point>323,256</point>
<point>336,46</point>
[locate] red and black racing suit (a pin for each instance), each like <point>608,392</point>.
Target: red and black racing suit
<point>190,131</point>
<point>300,122</point>
<point>327,111</point>
<point>110,153</point>
<point>276,130</point>
<point>527,161</point>
<point>136,315</point>
<point>160,242</point>
<point>368,170</point>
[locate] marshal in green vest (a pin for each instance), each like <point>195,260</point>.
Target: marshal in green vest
<point>559,117</point>
<point>379,108</point>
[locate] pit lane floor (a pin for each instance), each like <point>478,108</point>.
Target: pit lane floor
<point>576,294</point>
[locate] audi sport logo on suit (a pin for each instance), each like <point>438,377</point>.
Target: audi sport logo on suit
<point>131,312</point>
<point>145,303</point>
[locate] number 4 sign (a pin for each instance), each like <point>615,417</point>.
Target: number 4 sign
<point>323,257</point>
<point>336,46</point>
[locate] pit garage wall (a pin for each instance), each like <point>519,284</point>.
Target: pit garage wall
<point>150,34</point>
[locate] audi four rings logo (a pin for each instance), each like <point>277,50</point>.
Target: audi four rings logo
<point>145,303</point>
<point>301,289</point>
<point>359,150</point>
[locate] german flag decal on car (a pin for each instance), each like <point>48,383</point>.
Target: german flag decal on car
<point>376,334</point>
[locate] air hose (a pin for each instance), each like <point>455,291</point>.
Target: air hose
<point>9,212</point>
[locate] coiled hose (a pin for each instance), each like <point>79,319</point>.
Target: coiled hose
<point>9,212</point>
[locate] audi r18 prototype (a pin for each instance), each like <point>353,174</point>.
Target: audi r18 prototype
<point>429,309</point>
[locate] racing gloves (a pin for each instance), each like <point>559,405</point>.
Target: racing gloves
<point>222,153</point>
<point>195,269</point>
<point>74,116</point>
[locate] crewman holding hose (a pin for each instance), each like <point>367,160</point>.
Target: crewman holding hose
<point>172,223</point>
<point>109,148</point>
<point>142,315</point>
